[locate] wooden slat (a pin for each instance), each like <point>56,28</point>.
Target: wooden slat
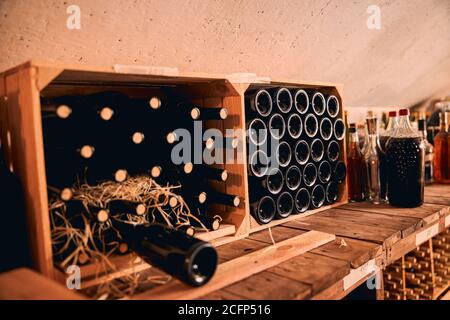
<point>221,295</point>
<point>441,190</point>
<point>356,252</point>
<point>243,267</point>
<point>238,248</point>
<point>427,212</point>
<point>406,225</point>
<point>26,284</point>
<point>269,286</point>
<point>353,230</point>
<point>315,270</point>
<point>279,233</point>
<point>224,230</point>
<point>432,199</point>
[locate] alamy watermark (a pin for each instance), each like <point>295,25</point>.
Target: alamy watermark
<point>374,20</point>
<point>74,19</point>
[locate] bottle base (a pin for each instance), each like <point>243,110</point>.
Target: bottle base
<point>406,205</point>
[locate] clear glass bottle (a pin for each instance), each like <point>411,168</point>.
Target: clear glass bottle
<point>384,136</point>
<point>429,152</point>
<point>356,174</point>
<point>442,150</point>
<point>405,154</point>
<point>372,154</point>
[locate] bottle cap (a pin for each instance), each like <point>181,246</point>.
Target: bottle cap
<point>392,114</point>
<point>352,129</point>
<point>404,112</point>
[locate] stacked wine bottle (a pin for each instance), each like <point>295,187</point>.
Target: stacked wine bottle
<point>109,136</point>
<point>423,274</point>
<point>294,143</point>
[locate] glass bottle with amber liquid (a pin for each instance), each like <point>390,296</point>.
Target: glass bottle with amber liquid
<point>429,151</point>
<point>356,173</point>
<point>442,150</point>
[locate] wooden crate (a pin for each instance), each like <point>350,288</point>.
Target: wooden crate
<point>21,130</point>
<point>327,89</point>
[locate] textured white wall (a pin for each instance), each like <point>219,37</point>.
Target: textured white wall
<point>405,62</point>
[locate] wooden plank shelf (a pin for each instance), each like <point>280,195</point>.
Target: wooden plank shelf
<point>369,237</point>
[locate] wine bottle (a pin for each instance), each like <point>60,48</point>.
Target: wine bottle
<point>311,125</point>
<point>326,129</point>
<point>317,150</point>
<point>357,176</point>
<point>442,150</point>
<point>318,196</point>
<point>332,106</point>
<point>284,154</point>
<point>339,129</point>
<point>302,200</point>
<point>310,174</point>
<point>16,252</point>
<point>333,151</point>
<point>339,172</point>
<point>204,220</point>
<point>263,210</point>
<point>285,205</point>
<point>372,158</point>
<point>218,113</point>
<point>331,192</point>
<point>293,177</point>
<point>191,260</point>
<point>223,198</point>
<point>318,103</point>
<point>257,132</point>
<point>260,102</point>
<point>302,152</point>
<point>174,173</point>
<point>274,181</point>
<point>208,172</point>
<point>282,98</point>
<point>64,194</point>
<point>259,164</point>
<point>295,126</point>
<point>301,101</point>
<point>324,171</point>
<point>277,126</point>
<point>429,152</point>
<point>127,207</point>
<point>62,111</point>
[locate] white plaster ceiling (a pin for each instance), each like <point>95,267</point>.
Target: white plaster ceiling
<point>403,63</point>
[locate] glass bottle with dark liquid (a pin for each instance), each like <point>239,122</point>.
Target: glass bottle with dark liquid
<point>356,173</point>
<point>442,151</point>
<point>384,136</point>
<point>405,154</point>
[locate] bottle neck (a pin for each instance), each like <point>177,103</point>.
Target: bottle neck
<point>404,123</point>
<point>444,122</point>
<point>353,138</point>
<point>423,128</point>
<point>392,124</point>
